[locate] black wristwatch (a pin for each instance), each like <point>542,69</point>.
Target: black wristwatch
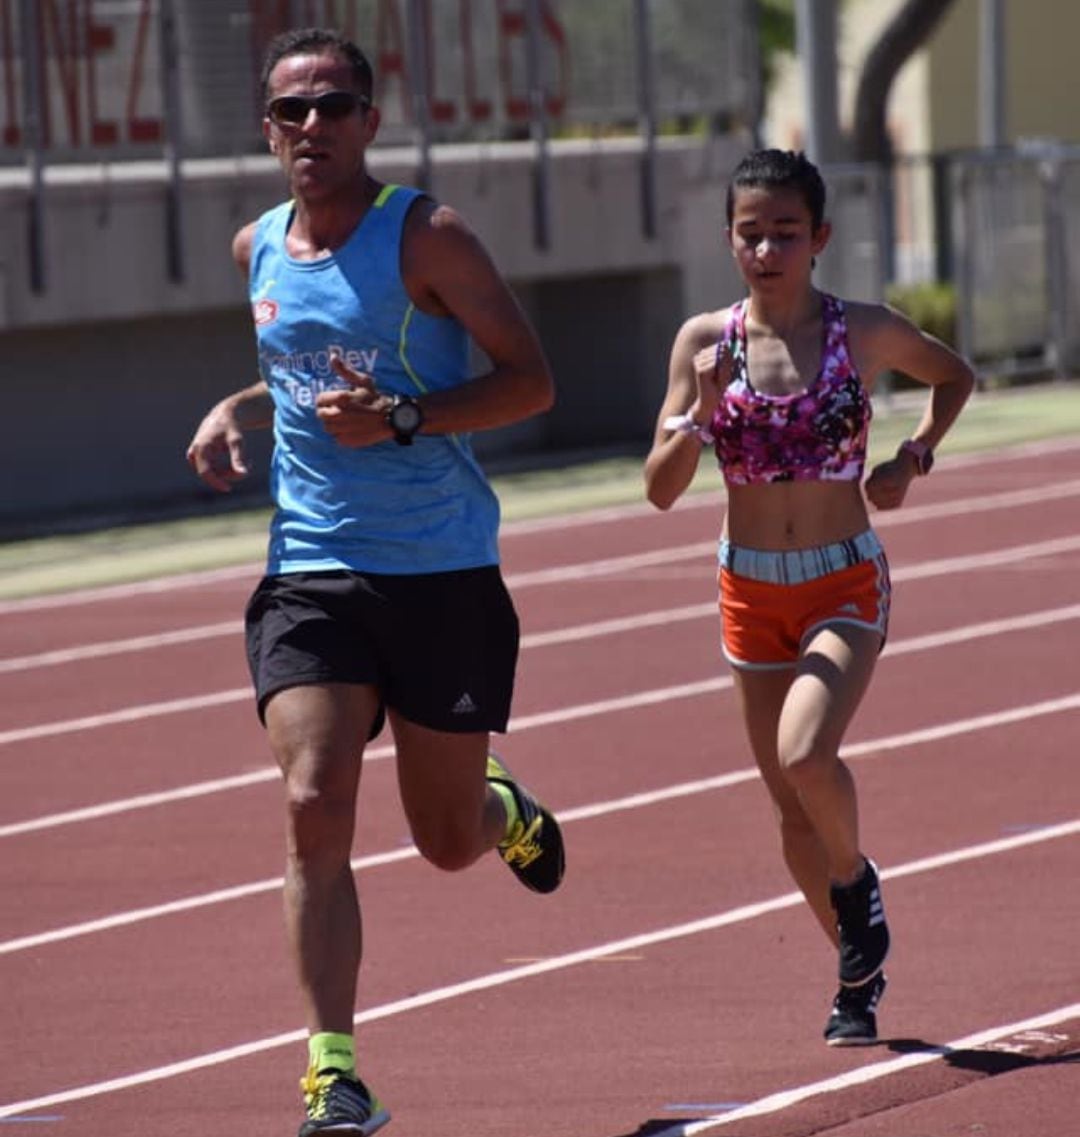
<point>404,418</point>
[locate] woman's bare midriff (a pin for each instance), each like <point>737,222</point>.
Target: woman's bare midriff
<point>794,515</point>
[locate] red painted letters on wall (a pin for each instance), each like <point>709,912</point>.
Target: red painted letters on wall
<point>82,51</point>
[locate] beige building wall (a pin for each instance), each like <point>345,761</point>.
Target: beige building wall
<point>934,103</point>
<point>859,22</point>
<point>1042,73</point>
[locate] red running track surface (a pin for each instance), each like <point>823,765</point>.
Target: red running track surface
<point>675,985</point>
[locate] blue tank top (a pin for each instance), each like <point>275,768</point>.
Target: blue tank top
<point>384,508</point>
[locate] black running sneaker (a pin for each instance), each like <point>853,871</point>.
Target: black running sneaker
<point>860,920</point>
<point>853,1019</point>
<point>534,846</point>
<point>339,1104</point>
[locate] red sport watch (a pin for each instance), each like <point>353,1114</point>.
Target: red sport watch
<point>923,455</point>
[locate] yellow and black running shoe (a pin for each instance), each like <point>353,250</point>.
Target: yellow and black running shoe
<point>533,846</point>
<point>339,1104</point>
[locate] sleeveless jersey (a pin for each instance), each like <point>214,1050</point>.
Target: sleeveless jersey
<point>818,434</point>
<point>384,508</point>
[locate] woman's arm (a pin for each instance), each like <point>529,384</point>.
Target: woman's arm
<point>885,339</point>
<point>697,375</point>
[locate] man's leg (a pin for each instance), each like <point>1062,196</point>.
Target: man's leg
<point>453,817</point>
<point>317,733</point>
<point>461,802</point>
<point>313,672</point>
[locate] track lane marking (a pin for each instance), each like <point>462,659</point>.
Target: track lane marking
<point>912,514</point>
<point>1041,1021</point>
<point>921,571</point>
<point>556,574</point>
<point>79,653</point>
<point>946,638</point>
<point>552,964</point>
<point>866,749</point>
<point>783,1099</point>
<point>104,648</point>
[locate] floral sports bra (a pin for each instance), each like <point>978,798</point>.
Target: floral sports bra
<point>818,434</point>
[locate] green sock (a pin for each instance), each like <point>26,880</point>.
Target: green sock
<point>329,1051</point>
<point>513,816</point>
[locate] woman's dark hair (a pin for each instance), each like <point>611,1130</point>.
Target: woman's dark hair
<point>317,41</point>
<point>779,169</point>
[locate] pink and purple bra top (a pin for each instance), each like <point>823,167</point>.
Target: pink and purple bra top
<point>818,434</point>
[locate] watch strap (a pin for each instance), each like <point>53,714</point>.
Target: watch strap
<point>684,424</point>
<point>404,418</point>
<point>923,454</point>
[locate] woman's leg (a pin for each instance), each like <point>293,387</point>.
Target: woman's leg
<point>834,671</point>
<point>833,674</point>
<point>762,695</point>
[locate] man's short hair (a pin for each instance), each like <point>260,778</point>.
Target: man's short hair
<point>317,41</point>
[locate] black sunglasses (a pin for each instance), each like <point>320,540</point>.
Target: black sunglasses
<point>292,110</point>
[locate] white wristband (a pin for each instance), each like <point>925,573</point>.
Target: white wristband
<point>684,424</point>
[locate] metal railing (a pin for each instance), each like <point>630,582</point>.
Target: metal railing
<point>1016,229</point>
<point>173,80</point>
<point>1002,227</point>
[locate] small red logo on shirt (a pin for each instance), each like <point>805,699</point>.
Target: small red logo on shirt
<point>265,311</point>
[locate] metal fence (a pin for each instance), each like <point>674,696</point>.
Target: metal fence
<point>854,264</point>
<point>108,80</point>
<point>1064,241</point>
<point>1002,227</point>
<point>1016,232</point>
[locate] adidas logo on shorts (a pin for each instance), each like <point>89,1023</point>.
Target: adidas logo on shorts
<point>465,705</point>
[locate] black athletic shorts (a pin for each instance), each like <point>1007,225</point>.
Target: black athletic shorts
<point>440,647</point>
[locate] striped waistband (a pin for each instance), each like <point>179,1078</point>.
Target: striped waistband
<point>796,566</point>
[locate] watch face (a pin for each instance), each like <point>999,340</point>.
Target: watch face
<point>405,417</point>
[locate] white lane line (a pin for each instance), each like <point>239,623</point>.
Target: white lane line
<point>197,579</point>
<point>617,624</point>
<point>613,626</point>
<point>188,904</point>
<point>608,567</point>
<point>985,503</point>
<point>868,748</point>
<point>541,967</point>
<point>945,638</point>
<point>921,571</point>
<point>715,499</point>
<point>614,566</point>
<point>105,648</point>
<point>784,1099</point>
<point>1010,499</point>
<point>126,714</point>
